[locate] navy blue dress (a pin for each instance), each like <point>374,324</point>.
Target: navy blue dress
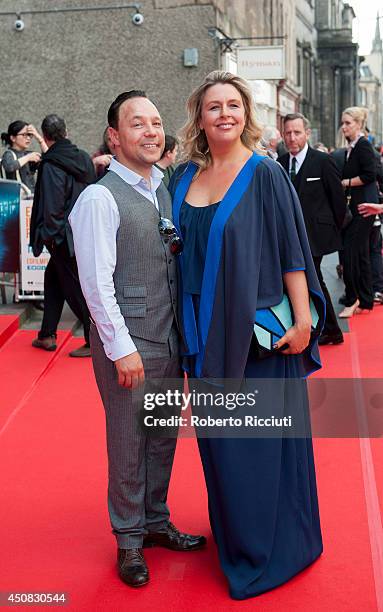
<point>262,495</point>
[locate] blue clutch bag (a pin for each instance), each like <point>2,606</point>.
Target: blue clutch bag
<point>273,322</point>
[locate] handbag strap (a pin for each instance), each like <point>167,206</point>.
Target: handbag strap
<point>23,186</point>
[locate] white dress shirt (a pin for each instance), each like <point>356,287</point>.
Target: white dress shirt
<point>94,221</point>
<point>300,157</point>
<point>351,145</point>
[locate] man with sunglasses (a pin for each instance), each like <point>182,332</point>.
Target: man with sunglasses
<point>126,248</point>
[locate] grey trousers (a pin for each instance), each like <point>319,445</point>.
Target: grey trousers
<point>139,466</point>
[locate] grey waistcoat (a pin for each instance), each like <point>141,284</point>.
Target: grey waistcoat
<point>145,276</point>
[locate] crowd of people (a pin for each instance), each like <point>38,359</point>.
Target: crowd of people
<point>340,191</point>
<point>156,269</point>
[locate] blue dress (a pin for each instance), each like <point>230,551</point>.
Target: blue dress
<point>262,495</point>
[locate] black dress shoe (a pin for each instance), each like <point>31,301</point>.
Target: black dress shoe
<point>330,339</point>
<point>170,537</point>
<point>132,567</point>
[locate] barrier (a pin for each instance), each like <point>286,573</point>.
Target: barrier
<point>16,255</point>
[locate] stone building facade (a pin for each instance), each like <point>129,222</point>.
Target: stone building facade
<point>73,58</point>
<point>307,63</point>
<point>371,86</point>
<point>75,63</point>
<point>338,65</point>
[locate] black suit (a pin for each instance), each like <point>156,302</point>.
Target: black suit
<point>324,207</point>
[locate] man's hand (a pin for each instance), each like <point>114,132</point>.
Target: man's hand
<point>130,371</point>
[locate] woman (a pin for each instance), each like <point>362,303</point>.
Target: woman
<point>18,163</point>
<point>244,241</point>
<point>359,181</point>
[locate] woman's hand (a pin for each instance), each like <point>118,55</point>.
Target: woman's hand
<point>33,157</point>
<point>367,209</point>
<point>32,130</point>
<point>297,337</point>
<point>29,157</point>
<point>102,160</point>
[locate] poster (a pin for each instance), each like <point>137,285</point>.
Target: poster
<point>9,226</point>
<point>32,268</point>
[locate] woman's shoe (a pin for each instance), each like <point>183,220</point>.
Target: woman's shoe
<point>349,311</point>
<point>359,310</point>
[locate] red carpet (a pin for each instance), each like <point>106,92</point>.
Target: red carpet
<point>54,528</point>
<point>8,325</point>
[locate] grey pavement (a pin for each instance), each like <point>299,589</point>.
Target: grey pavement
<point>31,317</point>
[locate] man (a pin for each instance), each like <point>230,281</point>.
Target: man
<point>128,275</point>
<point>63,173</point>
<point>271,139</point>
<point>318,183</point>
<point>167,162</point>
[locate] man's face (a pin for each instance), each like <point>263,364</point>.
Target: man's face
<point>295,135</point>
<point>139,138</point>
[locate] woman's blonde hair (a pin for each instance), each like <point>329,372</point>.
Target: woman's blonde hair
<point>194,145</point>
<point>358,113</point>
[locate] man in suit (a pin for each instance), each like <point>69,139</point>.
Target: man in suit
<point>127,271</point>
<point>317,181</point>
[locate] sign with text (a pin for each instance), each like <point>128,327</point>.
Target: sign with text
<point>9,226</point>
<point>32,268</point>
<point>255,63</point>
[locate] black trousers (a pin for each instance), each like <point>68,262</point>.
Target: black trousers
<point>331,323</point>
<point>357,266</point>
<point>61,283</point>
<point>376,258</point>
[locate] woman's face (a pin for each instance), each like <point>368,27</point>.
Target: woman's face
<point>222,114</point>
<point>350,127</point>
<point>22,140</point>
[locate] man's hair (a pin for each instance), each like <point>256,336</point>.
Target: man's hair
<point>114,109</point>
<point>53,128</point>
<point>293,116</point>
<point>170,143</point>
<point>269,133</point>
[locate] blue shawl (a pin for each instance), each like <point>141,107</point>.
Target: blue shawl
<point>256,236</point>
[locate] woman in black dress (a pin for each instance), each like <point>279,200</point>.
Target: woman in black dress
<point>359,181</point>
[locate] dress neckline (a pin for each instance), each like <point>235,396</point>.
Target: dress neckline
<point>206,206</point>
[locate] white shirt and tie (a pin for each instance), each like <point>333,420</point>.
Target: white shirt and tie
<point>299,157</point>
<point>95,220</point>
